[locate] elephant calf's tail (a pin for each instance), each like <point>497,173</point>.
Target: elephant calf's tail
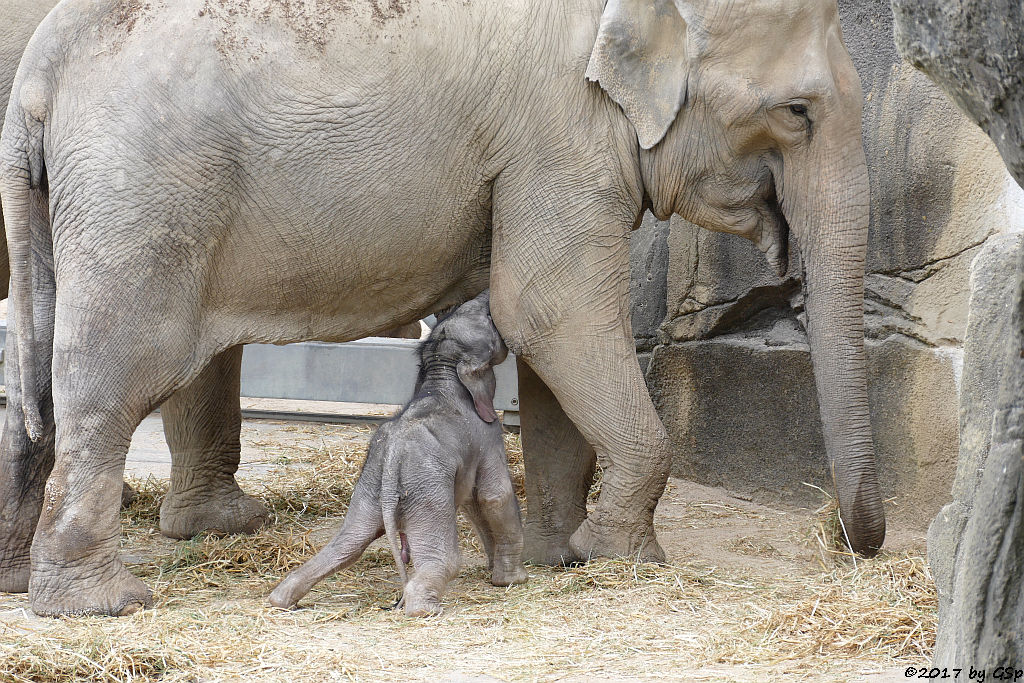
<point>22,170</point>
<point>389,497</point>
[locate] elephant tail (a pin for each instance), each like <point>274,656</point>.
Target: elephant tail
<point>22,171</point>
<point>390,493</point>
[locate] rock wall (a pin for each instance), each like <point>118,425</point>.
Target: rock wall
<point>974,50</point>
<point>731,371</point>
<point>648,282</point>
<point>973,537</point>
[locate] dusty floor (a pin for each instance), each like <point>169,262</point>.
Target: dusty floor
<point>749,595</point>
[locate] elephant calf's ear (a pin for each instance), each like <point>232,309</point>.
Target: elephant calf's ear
<point>640,60</point>
<point>480,382</point>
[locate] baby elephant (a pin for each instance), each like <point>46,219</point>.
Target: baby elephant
<point>442,452</point>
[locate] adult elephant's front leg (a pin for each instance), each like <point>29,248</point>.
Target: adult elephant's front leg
<point>202,422</point>
<point>559,296</point>
<point>598,382</point>
<point>559,472</point>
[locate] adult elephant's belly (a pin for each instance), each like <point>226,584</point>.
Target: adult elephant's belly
<point>350,274</point>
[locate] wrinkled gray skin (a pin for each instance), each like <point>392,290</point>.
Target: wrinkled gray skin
<point>201,422</point>
<point>233,172</point>
<point>205,449</point>
<point>444,451</point>
<point>18,20</point>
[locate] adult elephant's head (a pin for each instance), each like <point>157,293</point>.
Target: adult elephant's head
<point>748,116</point>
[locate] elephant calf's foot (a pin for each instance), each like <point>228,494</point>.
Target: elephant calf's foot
<point>509,576</point>
<point>228,511</point>
<point>420,602</point>
<point>288,593</point>
<point>598,540</point>
<point>114,591</point>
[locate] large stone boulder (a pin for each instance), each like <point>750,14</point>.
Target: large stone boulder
<point>732,376</point>
<point>971,543</point>
<point>745,404</point>
<point>974,50</point>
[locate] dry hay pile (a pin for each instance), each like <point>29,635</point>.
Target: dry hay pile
<point>610,618</point>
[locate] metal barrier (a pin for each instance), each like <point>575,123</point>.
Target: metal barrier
<point>372,370</point>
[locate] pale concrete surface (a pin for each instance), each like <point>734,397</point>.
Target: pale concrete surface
<point>149,455</point>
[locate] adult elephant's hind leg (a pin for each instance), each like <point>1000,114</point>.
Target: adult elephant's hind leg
<point>202,422</point>
<point>109,371</point>
<point>559,472</point>
<point>24,467</point>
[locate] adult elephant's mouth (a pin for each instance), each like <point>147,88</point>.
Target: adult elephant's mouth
<point>757,217</point>
<point>773,235</point>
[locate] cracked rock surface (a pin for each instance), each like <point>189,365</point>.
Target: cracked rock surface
<point>976,543</point>
<point>974,50</point>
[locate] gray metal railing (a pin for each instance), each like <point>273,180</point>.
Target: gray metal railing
<point>374,370</point>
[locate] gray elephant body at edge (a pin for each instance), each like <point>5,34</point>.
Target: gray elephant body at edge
<point>20,18</point>
<point>270,176</point>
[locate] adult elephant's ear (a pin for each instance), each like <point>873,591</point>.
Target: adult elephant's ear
<point>640,60</point>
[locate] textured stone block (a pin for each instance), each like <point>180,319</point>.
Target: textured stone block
<point>974,50</point>
<point>742,412</point>
<point>648,264</point>
<point>958,560</point>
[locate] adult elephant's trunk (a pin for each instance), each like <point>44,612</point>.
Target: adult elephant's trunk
<point>825,200</point>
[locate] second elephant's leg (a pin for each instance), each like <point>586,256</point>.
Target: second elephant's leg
<point>559,472</point>
<point>202,422</point>
<point>24,465</point>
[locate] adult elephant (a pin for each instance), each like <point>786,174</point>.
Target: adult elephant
<point>201,422</point>
<point>203,438</point>
<point>270,173</point>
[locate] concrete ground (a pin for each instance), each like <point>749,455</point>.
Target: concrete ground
<point>149,455</point>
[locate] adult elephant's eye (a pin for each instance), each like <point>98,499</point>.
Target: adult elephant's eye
<point>798,109</point>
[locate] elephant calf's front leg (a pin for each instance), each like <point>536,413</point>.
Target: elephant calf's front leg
<point>202,422</point>
<point>496,503</point>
